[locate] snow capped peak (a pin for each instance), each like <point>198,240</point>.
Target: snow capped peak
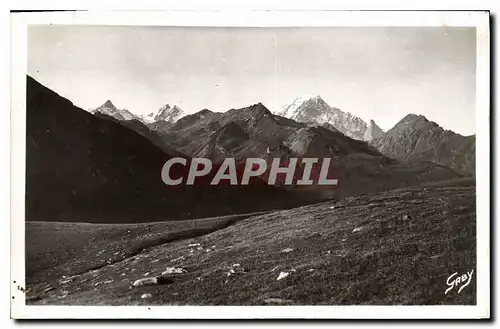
<point>300,103</point>
<point>315,109</point>
<point>165,113</point>
<point>169,114</point>
<point>108,108</point>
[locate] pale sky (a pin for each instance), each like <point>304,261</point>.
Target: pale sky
<point>379,73</point>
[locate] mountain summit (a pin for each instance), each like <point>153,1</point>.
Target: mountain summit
<point>315,109</point>
<point>108,108</point>
<point>416,138</point>
<point>373,131</point>
<point>165,113</point>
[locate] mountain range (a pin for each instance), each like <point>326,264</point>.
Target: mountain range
<point>403,210</point>
<point>86,168</point>
<point>114,157</point>
<point>315,109</point>
<point>166,113</point>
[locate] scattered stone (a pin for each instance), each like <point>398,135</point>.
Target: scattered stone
<point>311,270</point>
<point>357,229</point>
<point>406,217</point>
<point>208,250</point>
<point>329,252</point>
<point>174,270</point>
<point>49,288</point>
<point>144,296</point>
<point>332,207</point>
<point>145,281</point>
<point>344,239</point>
<point>178,259</point>
<point>282,275</point>
<point>146,274</point>
<point>287,250</point>
<point>236,269</point>
<point>193,245</point>
<point>277,301</point>
<point>109,281</point>
<point>123,274</point>
<point>199,248</point>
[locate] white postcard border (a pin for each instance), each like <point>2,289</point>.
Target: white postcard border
<point>19,23</point>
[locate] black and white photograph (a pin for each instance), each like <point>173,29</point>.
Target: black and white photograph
<point>330,161</point>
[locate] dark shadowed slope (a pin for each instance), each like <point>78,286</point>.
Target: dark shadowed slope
<point>415,138</point>
<point>145,131</point>
<point>81,168</point>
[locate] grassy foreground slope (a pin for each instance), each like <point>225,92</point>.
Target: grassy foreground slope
<point>395,247</point>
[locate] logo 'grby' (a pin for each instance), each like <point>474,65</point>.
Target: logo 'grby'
<point>294,171</point>
<point>463,279</point>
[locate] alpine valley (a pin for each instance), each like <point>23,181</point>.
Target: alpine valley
<point>103,229</point>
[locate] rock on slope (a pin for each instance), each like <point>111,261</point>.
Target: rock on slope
<point>81,168</point>
<point>416,138</point>
<point>315,109</point>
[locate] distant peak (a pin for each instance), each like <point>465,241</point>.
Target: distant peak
<point>204,111</point>
<point>108,103</point>
<point>259,107</point>
<point>372,131</point>
<point>305,98</point>
<point>168,113</point>
<point>414,117</point>
<point>107,108</point>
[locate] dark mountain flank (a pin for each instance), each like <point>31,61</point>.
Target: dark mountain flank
<point>145,131</point>
<point>415,138</point>
<point>82,168</point>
